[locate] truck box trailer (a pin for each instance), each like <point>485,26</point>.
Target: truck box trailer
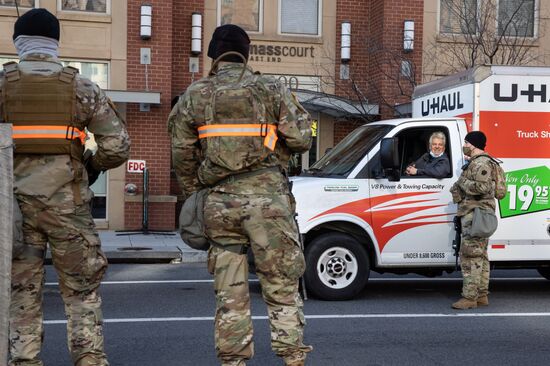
<point>358,210</point>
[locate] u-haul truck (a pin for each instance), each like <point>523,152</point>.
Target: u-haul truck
<point>358,210</point>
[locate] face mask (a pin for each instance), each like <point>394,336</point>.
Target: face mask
<point>467,150</point>
<point>435,156</point>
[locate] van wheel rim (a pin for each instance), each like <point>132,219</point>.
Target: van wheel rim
<point>337,267</point>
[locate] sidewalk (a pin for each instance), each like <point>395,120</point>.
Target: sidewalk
<point>148,248</point>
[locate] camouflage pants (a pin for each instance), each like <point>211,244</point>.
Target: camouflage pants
<point>474,262</point>
<point>80,265</point>
<point>265,223</point>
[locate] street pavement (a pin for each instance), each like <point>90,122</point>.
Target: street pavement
<point>162,315</point>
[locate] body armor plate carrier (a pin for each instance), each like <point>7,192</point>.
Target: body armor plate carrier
<point>42,109</point>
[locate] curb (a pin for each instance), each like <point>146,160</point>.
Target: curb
<point>168,254</point>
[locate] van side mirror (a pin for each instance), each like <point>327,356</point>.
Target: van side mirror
<point>389,157</point>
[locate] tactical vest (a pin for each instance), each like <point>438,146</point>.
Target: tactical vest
<point>42,109</point>
<point>238,133</point>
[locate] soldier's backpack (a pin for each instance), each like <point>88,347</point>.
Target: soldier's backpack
<point>500,180</point>
<point>498,176</point>
<point>237,130</point>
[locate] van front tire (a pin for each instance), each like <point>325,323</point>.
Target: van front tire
<point>337,266</point>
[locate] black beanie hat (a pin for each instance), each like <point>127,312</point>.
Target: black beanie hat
<point>37,22</point>
<point>476,138</point>
<point>229,37</point>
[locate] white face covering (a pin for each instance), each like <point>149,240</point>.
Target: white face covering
<point>25,45</point>
<point>435,156</point>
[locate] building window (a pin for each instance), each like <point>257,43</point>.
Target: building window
<point>92,6</point>
<point>99,202</point>
<point>244,13</point>
<point>98,72</point>
<point>406,69</point>
<point>300,17</point>
<point>20,3</point>
<point>458,16</point>
<point>516,18</point>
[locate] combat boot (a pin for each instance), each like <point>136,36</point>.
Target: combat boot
<point>483,300</point>
<point>296,363</point>
<point>234,363</point>
<point>464,304</point>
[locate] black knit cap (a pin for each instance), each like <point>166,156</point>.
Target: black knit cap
<point>229,37</point>
<point>476,138</point>
<point>37,22</point>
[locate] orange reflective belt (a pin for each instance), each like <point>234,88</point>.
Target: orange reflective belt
<point>261,130</point>
<point>48,132</point>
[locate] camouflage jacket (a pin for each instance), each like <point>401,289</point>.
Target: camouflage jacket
<point>475,187</point>
<point>48,179</point>
<point>282,109</point>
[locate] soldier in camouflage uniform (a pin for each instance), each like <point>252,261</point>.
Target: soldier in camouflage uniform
<point>474,188</point>
<point>235,133</point>
<point>50,108</point>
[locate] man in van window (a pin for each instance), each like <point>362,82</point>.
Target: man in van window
<point>435,163</point>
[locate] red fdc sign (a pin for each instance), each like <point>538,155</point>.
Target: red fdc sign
<point>135,166</point>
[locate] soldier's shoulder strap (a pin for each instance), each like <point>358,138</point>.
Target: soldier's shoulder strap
<point>11,71</point>
<point>68,74</point>
<point>494,160</point>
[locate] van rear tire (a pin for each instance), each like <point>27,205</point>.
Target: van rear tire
<point>337,266</point>
<point>544,272</point>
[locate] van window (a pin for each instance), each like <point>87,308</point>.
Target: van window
<point>413,144</point>
<point>345,156</point>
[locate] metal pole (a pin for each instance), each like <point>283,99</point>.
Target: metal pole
<point>6,234</point>
<point>145,207</point>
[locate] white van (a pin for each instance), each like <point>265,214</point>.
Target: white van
<point>358,211</point>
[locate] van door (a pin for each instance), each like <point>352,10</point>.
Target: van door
<point>412,214</point>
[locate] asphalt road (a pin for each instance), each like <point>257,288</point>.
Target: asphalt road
<point>161,315</point>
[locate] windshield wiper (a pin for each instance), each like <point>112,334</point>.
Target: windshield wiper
<point>312,171</point>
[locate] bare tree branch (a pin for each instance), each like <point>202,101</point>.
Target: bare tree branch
<point>477,32</point>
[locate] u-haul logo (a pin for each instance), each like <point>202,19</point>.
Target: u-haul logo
<point>442,103</point>
<point>532,93</point>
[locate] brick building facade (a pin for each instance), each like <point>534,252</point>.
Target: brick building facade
<point>377,53</point>
<point>168,74</point>
<point>379,21</point>
<point>111,38</point>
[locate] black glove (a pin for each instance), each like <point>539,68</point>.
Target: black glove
<point>93,174</point>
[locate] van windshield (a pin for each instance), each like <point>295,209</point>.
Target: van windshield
<point>341,159</point>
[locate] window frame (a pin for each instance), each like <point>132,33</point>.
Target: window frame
<point>107,9</point>
<point>319,22</point>
<point>36,5</point>
<point>536,21</point>
<point>260,16</point>
<point>92,61</point>
<point>428,130</point>
<point>478,5</point>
